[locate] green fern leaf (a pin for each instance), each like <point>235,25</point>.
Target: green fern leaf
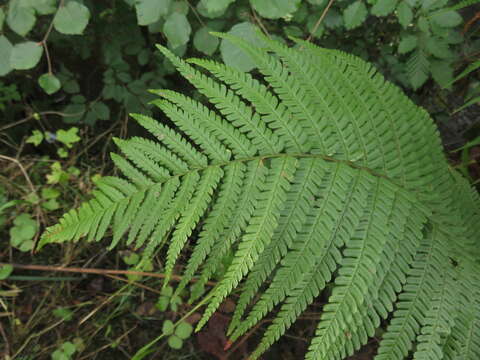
<point>316,177</point>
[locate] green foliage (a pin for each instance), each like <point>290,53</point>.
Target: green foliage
<point>5,271</point>
<point>23,232</point>
<point>168,298</point>
<point>65,352</point>
<point>123,30</point>
<point>323,179</point>
<point>49,83</point>
<point>8,94</point>
<point>71,18</point>
<point>25,55</point>
<point>63,313</point>
<point>176,333</point>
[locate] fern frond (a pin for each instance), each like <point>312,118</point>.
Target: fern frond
<point>318,178</point>
<point>231,106</point>
<point>250,194</point>
<point>191,215</point>
<point>416,298</point>
<point>259,231</point>
<point>205,139</point>
<point>299,206</point>
<point>172,141</point>
<point>275,114</point>
<point>215,224</point>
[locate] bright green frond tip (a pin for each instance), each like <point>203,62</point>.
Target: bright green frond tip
<point>316,172</point>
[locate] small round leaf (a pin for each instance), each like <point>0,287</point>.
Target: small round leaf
<point>232,55</point>
<point>184,330</point>
<point>175,342</point>
<point>5,271</point>
<point>205,42</point>
<point>168,327</point>
<point>26,55</point>
<point>49,83</point>
<point>275,9</point>
<point>5,53</point>
<point>177,29</point>
<point>72,18</point>
<point>20,17</point>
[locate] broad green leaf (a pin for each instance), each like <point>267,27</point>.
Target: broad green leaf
<point>23,231</point>
<point>203,11</point>
<point>74,113</point>
<point>49,83</point>
<point>232,55</point>
<point>63,313</point>
<point>180,7</point>
<point>184,330</point>
<point>72,18</point>
<point>384,7</point>
<point>213,6</point>
<point>423,24</point>
<point>442,72</point>
<point>447,19</point>
<point>21,16</point>
<point>50,193</point>
<point>404,14</point>
<point>355,14</point>
<point>68,137</point>
<point>205,42</point>
<point>26,55</point>
<point>274,9</point>
<point>150,11</point>
<point>175,342</point>
<point>177,29</point>
<point>418,68</point>
<point>5,53</point>
<point>407,44</point>
<point>439,48</point>
<point>2,18</point>
<point>433,4</point>
<point>168,327</point>
<point>69,348</point>
<point>5,271</point>
<point>44,7</point>
<point>333,19</point>
<point>101,110</point>
<point>36,138</point>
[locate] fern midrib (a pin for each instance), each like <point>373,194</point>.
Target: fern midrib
<point>273,156</point>
<point>296,155</point>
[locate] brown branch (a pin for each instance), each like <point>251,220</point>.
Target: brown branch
<point>104,272</point>
<point>319,21</point>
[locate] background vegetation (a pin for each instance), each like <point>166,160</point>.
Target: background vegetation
<point>72,70</point>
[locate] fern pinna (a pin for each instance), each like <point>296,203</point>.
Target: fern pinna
<point>318,173</point>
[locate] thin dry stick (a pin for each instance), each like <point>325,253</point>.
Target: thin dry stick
<point>92,354</point>
<point>319,21</point>
<point>7,344</point>
<point>45,38</point>
<point>134,283</point>
<point>22,169</point>
<point>34,115</point>
<point>97,271</point>
<point>259,22</point>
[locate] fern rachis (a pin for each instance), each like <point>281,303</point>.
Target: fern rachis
<point>321,173</point>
